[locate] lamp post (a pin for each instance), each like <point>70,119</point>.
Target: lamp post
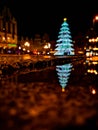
<point>27,46</point>
<point>95,19</point>
<point>95,24</point>
<point>47,46</point>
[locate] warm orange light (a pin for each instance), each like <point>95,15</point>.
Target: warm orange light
<point>27,44</point>
<point>63,90</point>
<point>96,17</point>
<point>93,91</point>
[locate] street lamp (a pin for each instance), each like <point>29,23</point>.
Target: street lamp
<point>95,24</point>
<point>95,19</point>
<point>27,46</point>
<point>47,46</point>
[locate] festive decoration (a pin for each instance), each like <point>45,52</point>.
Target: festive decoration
<point>63,72</point>
<point>64,44</point>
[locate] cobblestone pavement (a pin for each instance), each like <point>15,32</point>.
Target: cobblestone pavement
<point>35,101</point>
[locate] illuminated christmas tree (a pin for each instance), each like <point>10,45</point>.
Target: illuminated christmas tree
<point>63,72</point>
<point>64,44</point>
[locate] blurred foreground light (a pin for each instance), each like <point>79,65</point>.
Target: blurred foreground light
<point>26,57</point>
<point>63,90</point>
<point>96,17</point>
<point>93,91</point>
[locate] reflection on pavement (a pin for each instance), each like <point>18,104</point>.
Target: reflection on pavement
<point>34,101</point>
<point>63,72</point>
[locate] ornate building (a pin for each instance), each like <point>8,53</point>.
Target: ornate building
<point>8,31</point>
<point>10,42</point>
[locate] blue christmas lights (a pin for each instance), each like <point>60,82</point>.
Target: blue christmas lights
<point>64,44</point>
<point>63,72</point>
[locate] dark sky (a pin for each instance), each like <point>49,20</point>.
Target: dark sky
<point>46,16</point>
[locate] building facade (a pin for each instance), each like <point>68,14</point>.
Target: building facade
<point>8,31</point>
<point>10,42</point>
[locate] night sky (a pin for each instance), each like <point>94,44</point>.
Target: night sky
<point>46,16</point>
